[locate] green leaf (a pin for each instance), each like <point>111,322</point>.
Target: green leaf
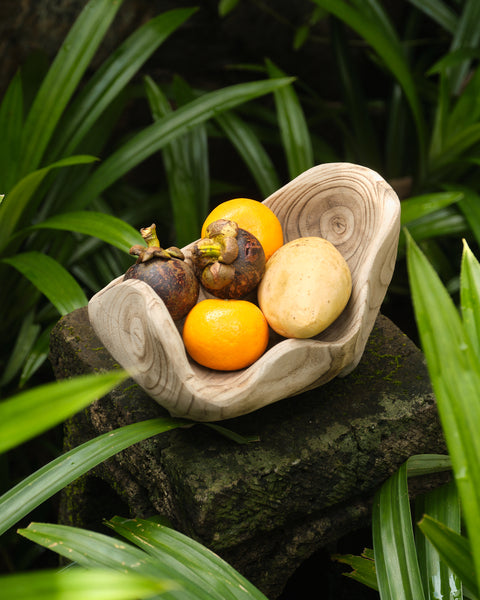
<point>466,35</point>
<point>11,122</point>
<point>226,6</point>
<point>439,12</point>
<point>368,20</point>
<point>191,560</point>
<point>36,357</point>
<point>451,59</point>
<point>454,146</point>
<point>363,567</point>
<point>90,549</point>
<point>426,464</point>
<point>93,550</point>
<point>112,77</point>
<point>442,504</point>
<point>396,562</point>
<point>156,136</point>
<point>63,78</point>
<point>30,413</point>
<point>470,297</point>
<point>246,142</point>
<point>50,479</point>
<point>48,276</point>
<point>454,549</point>
<point>393,532</point>
<point>364,138</point>
<point>297,143</point>
<point>185,192</point>
<point>442,222</point>
<point>105,227</point>
<point>196,149</point>
<point>22,197</point>
<point>419,206</point>
<point>78,584</point>
<point>26,337</point>
<point>470,207</point>
<point>232,435</point>
<point>454,371</point>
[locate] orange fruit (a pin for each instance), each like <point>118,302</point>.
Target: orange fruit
<point>226,335</point>
<point>253,216</point>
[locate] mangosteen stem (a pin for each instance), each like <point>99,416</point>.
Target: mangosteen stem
<point>149,234</point>
<point>220,244</point>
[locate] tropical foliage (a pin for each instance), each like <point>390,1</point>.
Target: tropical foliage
<point>69,213</point>
<point>443,556</point>
<point>54,185</point>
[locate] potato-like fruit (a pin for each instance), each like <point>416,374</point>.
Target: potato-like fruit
<point>306,286</point>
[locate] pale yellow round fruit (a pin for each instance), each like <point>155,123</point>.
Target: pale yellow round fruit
<point>306,286</point>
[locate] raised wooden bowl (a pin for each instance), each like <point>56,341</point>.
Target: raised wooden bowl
<point>350,205</point>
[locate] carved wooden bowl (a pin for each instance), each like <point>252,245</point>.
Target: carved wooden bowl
<point>350,205</point>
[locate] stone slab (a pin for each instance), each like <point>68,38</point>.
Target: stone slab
<point>267,506</point>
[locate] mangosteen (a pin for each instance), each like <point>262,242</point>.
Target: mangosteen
<point>166,272</point>
<point>229,261</point>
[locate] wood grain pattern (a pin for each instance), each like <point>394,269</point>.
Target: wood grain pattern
<point>352,207</point>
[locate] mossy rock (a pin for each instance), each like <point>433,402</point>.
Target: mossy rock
<point>268,505</point>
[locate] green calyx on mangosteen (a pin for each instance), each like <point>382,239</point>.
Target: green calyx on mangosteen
<point>166,272</point>
<point>229,261</point>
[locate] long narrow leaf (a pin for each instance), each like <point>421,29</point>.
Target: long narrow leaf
<point>11,122</point>
<point>442,222</point>
<point>470,297</point>
<point>169,546</point>
<point>105,227</point>
<point>50,479</point>
<point>391,53</point>
<point>48,276</point>
<point>426,464</point>
<point>454,549</point>
<point>196,150</point>
<point>420,206</point>
<point>470,207</point>
<point>396,563</point>
<point>467,35</point>
<point>180,172</point>
<point>364,140</point>
<point>251,150</point>
<point>455,146</point>
<point>438,11</point>
<point>29,413</point>
<point>113,76</point>
<point>297,143</point>
<point>363,567</point>
<point>443,505</point>
<point>78,584</point>
<point>62,79</point>
<point>156,136</point>
<point>393,532</point>
<point>37,356</point>
<point>26,336</point>
<point>455,375</point>
<point>15,203</point>
<point>90,549</point>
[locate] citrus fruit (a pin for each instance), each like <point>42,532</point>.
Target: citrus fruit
<point>225,335</point>
<point>253,216</point>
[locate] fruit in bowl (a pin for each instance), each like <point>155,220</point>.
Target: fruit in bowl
<point>349,205</point>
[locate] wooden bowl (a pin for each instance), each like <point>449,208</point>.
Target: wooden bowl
<point>350,205</point>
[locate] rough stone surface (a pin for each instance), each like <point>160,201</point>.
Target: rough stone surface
<point>266,506</point>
